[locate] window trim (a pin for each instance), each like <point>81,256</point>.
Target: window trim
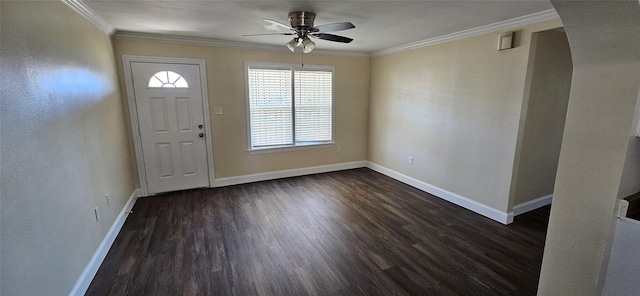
<point>295,146</point>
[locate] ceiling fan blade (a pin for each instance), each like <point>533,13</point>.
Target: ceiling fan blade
<point>278,24</point>
<point>334,27</point>
<point>264,34</point>
<point>332,37</point>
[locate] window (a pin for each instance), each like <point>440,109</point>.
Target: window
<point>289,106</point>
<point>167,79</point>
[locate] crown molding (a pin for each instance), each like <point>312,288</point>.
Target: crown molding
<point>81,8</point>
<point>507,24</point>
<point>126,35</point>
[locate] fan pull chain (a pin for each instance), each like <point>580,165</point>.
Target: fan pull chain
<point>302,52</point>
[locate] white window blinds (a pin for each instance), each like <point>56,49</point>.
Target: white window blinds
<point>282,114</point>
<point>313,96</point>
<point>270,107</point>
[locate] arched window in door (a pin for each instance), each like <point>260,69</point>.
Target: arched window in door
<point>167,79</point>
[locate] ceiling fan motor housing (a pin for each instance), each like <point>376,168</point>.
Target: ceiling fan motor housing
<point>301,20</point>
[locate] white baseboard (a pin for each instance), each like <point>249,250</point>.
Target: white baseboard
<point>288,173</point>
<point>90,271</point>
<point>489,212</point>
<point>532,205</point>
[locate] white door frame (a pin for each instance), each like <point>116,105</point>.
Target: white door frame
<point>133,112</point>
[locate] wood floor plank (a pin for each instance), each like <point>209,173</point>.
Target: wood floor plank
<point>353,232</point>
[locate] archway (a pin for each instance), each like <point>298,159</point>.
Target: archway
<point>604,37</point>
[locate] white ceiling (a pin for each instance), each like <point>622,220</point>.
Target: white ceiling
<point>379,24</point>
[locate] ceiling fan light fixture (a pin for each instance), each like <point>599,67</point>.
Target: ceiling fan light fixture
<point>308,45</point>
<point>292,44</point>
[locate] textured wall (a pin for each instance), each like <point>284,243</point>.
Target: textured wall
<point>226,86</point>
<point>546,99</point>
<point>604,37</point>
<point>455,107</point>
<point>63,146</point>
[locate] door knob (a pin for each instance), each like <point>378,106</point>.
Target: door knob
<point>201,135</point>
<point>200,126</point>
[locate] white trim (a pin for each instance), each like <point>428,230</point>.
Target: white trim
<point>83,282</point>
<point>207,121</point>
<point>290,148</point>
<point>126,35</point>
<point>489,212</point>
<point>288,173</point>
<point>503,25</point>
<point>532,205</point>
<point>135,128</point>
<point>635,222</point>
<point>82,9</point>
<point>622,207</point>
<point>133,112</point>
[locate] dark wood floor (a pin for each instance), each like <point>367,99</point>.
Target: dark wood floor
<point>354,232</point>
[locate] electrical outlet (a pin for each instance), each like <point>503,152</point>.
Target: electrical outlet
<point>219,110</point>
<point>410,160</point>
<point>338,149</point>
<point>96,211</point>
<point>107,198</point>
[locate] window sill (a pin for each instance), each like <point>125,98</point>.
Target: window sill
<point>279,149</point>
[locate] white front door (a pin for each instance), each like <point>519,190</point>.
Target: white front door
<point>169,105</point>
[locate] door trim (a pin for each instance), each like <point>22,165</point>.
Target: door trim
<point>133,112</point>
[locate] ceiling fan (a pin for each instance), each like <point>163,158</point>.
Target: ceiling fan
<point>302,28</point>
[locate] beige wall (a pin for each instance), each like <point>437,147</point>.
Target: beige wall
<point>226,86</point>
<point>455,107</point>
<point>544,112</point>
<point>603,36</point>
<point>64,146</point>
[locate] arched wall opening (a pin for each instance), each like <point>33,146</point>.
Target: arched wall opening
<point>604,37</point>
